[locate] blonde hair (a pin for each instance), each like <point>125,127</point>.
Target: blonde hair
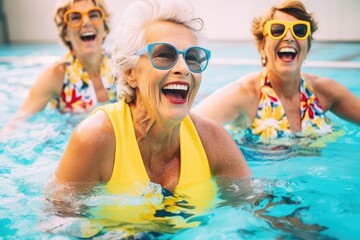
<point>63,5</point>
<point>294,8</point>
<point>130,35</point>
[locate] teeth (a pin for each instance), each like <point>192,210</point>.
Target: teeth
<point>176,87</point>
<point>87,34</point>
<point>292,50</point>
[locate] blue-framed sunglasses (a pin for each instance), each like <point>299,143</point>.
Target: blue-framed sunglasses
<point>164,56</point>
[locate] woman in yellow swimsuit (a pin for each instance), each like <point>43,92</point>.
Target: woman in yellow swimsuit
<point>280,100</point>
<point>81,79</point>
<point>149,135</point>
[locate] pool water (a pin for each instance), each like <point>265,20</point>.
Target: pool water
<point>302,191</point>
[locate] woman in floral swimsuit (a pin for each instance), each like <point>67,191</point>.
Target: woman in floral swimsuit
<point>81,79</point>
<point>281,100</point>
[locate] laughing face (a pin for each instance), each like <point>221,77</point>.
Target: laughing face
<point>287,54</point>
<point>167,94</point>
<point>87,37</point>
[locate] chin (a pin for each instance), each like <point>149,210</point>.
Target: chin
<point>289,69</point>
<point>176,115</point>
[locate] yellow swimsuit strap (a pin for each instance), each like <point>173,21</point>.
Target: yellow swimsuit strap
<point>128,164</point>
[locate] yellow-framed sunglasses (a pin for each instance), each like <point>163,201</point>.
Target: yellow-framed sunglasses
<point>74,18</point>
<point>277,29</point>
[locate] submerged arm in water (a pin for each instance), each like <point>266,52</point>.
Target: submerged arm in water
<point>253,195</point>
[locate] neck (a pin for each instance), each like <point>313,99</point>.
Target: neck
<point>154,135</point>
<point>91,62</point>
<point>287,86</point>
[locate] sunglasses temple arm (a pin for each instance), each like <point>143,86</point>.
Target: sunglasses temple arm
<point>141,51</point>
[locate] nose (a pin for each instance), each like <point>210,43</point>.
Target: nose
<point>181,66</point>
<point>289,36</point>
<point>85,20</point>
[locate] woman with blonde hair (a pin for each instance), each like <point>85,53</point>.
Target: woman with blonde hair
<point>82,78</point>
<point>281,100</point>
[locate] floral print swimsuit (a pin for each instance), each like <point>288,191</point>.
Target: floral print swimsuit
<point>271,121</point>
<point>78,93</point>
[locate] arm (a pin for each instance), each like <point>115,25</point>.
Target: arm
<point>47,85</point>
<point>338,99</point>
<point>225,157</point>
<point>233,101</point>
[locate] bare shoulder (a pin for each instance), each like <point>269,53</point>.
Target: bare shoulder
<point>230,101</point>
<point>250,78</point>
<point>327,90</point>
<point>206,126</point>
<point>52,77</point>
<point>211,133</point>
<point>248,84</point>
<point>225,158</point>
<point>89,154</point>
<point>97,124</point>
<point>57,69</point>
<point>318,82</point>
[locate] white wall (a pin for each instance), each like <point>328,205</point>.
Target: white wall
<point>32,20</point>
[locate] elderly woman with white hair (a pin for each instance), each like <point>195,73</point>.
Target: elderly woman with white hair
<point>150,134</point>
<point>149,138</point>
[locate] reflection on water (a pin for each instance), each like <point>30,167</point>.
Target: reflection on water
<point>263,151</point>
<point>141,210</point>
<point>276,210</point>
<point>250,209</point>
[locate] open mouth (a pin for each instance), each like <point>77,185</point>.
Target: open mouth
<point>287,54</point>
<point>176,93</point>
<point>87,37</point>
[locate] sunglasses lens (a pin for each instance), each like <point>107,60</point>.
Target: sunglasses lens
<point>95,15</point>
<point>300,30</point>
<point>277,30</point>
<point>74,18</point>
<point>163,56</point>
<point>196,59</point>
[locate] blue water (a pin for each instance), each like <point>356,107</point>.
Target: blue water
<point>298,192</point>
